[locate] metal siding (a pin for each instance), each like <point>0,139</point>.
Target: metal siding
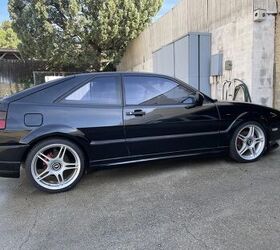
<point>155,62</point>
<point>204,64</point>
<point>181,59</point>
<point>193,76</point>
<point>163,60</point>
<point>168,60</point>
<point>188,59</point>
<point>159,59</point>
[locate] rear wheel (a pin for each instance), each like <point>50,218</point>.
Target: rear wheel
<point>55,165</point>
<point>248,142</point>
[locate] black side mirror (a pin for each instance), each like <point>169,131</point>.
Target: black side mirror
<point>194,100</point>
<point>199,99</point>
<point>190,100</point>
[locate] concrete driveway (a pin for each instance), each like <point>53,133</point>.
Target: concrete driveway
<point>210,203</point>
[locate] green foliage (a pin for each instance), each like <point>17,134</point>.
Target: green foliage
<point>8,38</point>
<point>87,34</point>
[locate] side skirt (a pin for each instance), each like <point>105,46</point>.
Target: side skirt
<point>137,159</point>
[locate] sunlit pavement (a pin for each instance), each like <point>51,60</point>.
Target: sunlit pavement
<point>210,203</point>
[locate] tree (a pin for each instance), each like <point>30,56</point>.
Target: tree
<point>88,34</point>
<point>8,38</point>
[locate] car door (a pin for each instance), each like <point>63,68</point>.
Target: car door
<point>95,108</point>
<point>160,117</point>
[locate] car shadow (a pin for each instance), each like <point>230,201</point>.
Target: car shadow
<point>155,167</point>
<point>138,171</point>
<point>150,168</point>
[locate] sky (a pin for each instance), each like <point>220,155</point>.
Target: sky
<point>167,5</point>
<point>4,15</point>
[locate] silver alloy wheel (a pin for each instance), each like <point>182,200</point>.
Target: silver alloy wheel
<point>55,166</point>
<point>250,142</point>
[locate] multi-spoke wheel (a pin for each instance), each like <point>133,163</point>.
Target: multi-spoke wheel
<point>248,142</point>
<point>55,165</point>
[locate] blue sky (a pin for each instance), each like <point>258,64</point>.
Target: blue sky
<point>167,5</point>
<point>4,15</point>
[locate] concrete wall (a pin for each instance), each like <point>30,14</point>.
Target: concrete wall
<point>250,45</point>
<point>234,40</point>
<point>277,61</point>
<point>263,61</point>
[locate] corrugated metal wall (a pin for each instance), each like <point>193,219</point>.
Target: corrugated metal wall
<point>187,59</point>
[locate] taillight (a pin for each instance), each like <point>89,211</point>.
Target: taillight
<point>3,116</point>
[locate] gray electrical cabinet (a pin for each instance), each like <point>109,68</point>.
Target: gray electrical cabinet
<point>163,60</point>
<point>217,65</point>
<point>187,59</point>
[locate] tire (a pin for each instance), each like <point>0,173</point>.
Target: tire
<point>249,147</point>
<point>55,165</point>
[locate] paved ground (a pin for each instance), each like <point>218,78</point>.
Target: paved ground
<point>181,204</point>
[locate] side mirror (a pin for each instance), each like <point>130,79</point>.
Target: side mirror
<point>199,99</point>
<point>194,100</point>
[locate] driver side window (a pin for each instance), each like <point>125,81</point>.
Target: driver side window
<point>155,91</point>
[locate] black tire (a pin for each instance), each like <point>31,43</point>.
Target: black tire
<point>43,144</point>
<point>232,149</point>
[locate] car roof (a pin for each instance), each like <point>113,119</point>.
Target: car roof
<point>123,73</point>
<point>128,73</point>
<point>80,77</point>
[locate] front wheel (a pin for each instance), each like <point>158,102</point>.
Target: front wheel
<point>248,142</point>
<point>55,165</point>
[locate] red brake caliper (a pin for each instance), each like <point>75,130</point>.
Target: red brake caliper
<point>49,155</point>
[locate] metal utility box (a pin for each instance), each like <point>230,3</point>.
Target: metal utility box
<point>163,60</point>
<point>217,65</point>
<point>188,59</point>
<point>228,65</point>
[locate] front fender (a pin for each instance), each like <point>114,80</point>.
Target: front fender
<point>242,118</point>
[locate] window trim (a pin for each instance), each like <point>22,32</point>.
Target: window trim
<point>61,99</point>
<point>153,76</point>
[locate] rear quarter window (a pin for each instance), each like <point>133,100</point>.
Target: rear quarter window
<point>98,91</point>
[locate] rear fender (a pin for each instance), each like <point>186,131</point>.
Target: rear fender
<point>49,131</point>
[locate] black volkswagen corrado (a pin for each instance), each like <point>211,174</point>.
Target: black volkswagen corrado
<point>59,129</point>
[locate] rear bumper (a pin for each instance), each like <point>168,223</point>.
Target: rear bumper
<point>10,169</point>
<point>11,157</point>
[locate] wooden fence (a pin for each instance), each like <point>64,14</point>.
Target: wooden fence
<point>18,72</point>
<point>17,75</point>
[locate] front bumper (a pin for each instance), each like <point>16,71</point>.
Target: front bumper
<point>272,145</point>
<point>11,157</point>
<point>275,134</point>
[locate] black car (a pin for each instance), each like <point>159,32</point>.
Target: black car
<point>59,129</point>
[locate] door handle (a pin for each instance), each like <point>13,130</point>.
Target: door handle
<point>138,112</point>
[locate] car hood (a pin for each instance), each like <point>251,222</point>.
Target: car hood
<point>250,107</point>
<point>245,104</point>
